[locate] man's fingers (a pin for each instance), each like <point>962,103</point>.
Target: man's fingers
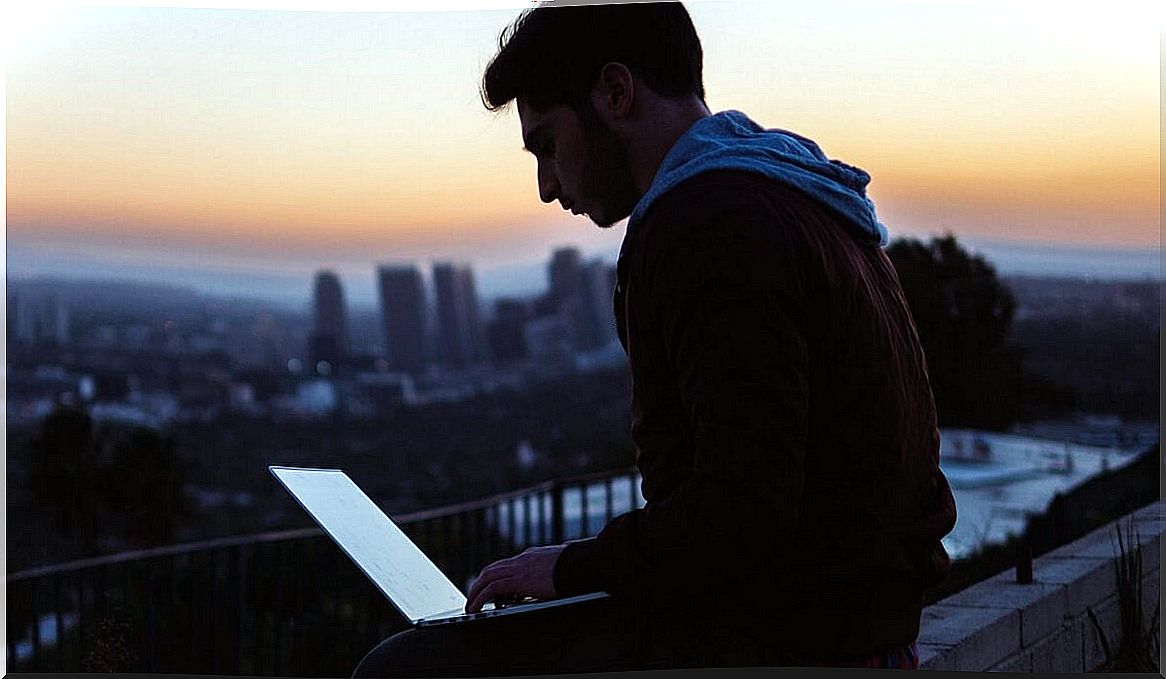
<point>490,592</point>
<point>495,571</point>
<point>476,588</point>
<point>498,569</point>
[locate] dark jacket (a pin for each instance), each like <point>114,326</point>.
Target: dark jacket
<point>784,427</point>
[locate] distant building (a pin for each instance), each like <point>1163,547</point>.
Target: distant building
<point>43,320</point>
<point>459,327</point>
<point>22,318</point>
<point>563,272</point>
<point>548,343</point>
<point>328,344</point>
<point>568,298</point>
<point>507,343</point>
<point>402,295</point>
<point>386,390</point>
<point>596,290</point>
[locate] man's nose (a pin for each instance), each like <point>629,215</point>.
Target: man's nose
<point>548,186</point>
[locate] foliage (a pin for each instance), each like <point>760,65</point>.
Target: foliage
<point>964,313</point>
<point>64,474</point>
<point>1139,648</point>
<point>107,481</point>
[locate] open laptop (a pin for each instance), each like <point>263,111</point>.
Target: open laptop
<point>382,551</point>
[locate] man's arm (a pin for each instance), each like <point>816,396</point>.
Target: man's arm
<point>722,283</point>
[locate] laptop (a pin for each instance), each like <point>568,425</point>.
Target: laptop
<point>410,580</point>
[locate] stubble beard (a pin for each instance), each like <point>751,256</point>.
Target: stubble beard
<point>608,173</point>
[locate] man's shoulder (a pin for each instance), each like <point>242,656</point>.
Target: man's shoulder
<point>717,191</point>
<point>737,222</point>
<point>719,204</point>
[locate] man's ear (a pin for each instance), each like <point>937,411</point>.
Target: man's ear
<point>614,92</point>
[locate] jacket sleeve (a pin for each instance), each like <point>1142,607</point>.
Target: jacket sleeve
<point>721,286</point>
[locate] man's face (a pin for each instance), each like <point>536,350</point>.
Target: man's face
<point>581,163</point>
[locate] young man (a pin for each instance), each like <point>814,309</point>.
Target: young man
<point>783,419</point>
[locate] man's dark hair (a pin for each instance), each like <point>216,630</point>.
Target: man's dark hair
<point>551,55</point>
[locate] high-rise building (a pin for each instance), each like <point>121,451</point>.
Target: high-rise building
<point>329,340</point>
<point>548,345</point>
<point>459,325</point>
<point>507,342</point>
<point>568,298</point>
<point>563,272</point>
<point>54,322</point>
<point>402,294</point>
<point>22,319</point>
<point>596,291</point>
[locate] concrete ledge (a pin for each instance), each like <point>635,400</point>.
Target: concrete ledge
<point>1001,625</point>
<point>1102,543</point>
<point>1040,606</point>
<point>975,634</point>
<point>1087,581</point>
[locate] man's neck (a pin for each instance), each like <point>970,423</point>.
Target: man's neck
<point>674,121</point>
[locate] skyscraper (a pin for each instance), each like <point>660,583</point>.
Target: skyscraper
<point>459,326</point>
<point>563,272</point>
<point>54,322</point>
<point>507,342</point>
<point>403,306</point>
<point>596,288</point>
<point>567,296</point>
<point>329,340</point>
<point>22,322</point>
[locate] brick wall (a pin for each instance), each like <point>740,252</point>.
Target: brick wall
<point>1001,625</point>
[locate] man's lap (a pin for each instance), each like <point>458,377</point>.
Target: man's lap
<point>585,637</point>
<point>594,636</point>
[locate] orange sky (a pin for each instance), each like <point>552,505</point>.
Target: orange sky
<point>277,133</point>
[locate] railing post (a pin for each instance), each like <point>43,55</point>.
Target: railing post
<point>216,629</point>
<point>35,660</point>
<point>543,528</point>
<point>527,521</point>
<point>1024,562</point>
<point>240,606</point>
<point>152,613</point>
<point>195,627</point>
<point>609,507</point>
<point>556,513</point>
<point>60,646</point>
<point>584,511</point>
<point>13,634</point>
<point>81,621</point>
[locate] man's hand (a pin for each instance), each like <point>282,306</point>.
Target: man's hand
<point>531,573</point>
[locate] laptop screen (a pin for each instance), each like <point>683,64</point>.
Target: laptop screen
<point>382,550</point>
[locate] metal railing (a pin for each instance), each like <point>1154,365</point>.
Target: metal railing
<point>286,603</point>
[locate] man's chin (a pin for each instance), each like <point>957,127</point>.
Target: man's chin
<point>604,221</point>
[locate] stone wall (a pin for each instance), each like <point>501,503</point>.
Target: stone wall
<point>1001,625</point>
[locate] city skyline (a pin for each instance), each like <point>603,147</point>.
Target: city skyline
<point>258,146</point>
<point>292,288</point>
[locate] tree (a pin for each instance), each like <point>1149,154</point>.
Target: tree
<point>63,477</point>
<point>144,485</point>
<point>964,316</point>
<point>139,486</point>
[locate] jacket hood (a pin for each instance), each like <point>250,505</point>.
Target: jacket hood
<point>731,141</point>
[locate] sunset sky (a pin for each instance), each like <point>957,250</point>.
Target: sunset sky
<point>266,142</point>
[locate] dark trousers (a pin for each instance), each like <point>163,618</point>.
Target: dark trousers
<point>602,635</point>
